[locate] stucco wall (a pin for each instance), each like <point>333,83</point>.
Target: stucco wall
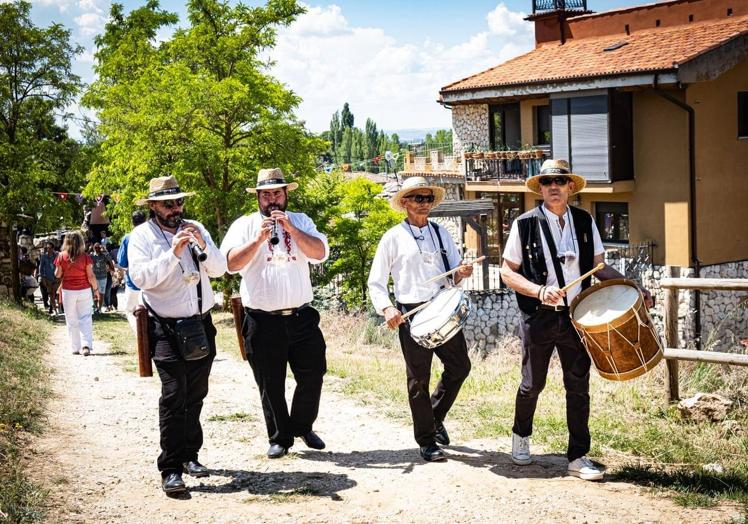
<point>721,168</point>
<point>470,127</point>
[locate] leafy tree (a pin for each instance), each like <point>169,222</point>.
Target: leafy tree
<point>200,106</point>
<point>35,82</point>
<point>357,224</point>
<point>346,117</point>
<point>346,146</point>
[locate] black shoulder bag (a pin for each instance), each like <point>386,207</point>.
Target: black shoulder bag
<point>189,333</point>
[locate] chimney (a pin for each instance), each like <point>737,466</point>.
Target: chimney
<point>550,17</point>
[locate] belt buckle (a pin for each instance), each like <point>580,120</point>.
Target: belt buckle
<point>286,312</point>
<point>558,308</point>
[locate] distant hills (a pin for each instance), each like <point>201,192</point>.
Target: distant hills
<point>413,134</point>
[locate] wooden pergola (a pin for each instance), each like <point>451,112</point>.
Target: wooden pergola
<point>475,213</point>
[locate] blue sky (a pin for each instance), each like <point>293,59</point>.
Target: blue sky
<point>387,58</point>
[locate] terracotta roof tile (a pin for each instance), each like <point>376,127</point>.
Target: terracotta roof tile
<point>651,50</point>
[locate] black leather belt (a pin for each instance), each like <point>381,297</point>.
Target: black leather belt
<point>280,312</point>
<point>553,308</point>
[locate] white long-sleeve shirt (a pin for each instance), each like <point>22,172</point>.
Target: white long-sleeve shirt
<point>154,269</point>
<point>411,254</point>
<point>276,278</point>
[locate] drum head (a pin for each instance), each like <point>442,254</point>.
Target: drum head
<point>433,317</point>
<point>605,305</point>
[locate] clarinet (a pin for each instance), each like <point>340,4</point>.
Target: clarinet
<point>274,235</point>
<point>198,253</point>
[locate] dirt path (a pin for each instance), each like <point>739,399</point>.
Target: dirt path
<point>98,459</point>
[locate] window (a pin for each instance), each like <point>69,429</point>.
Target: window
<point>507,207</point>
<point>612,220</point>
<point>543,125</point>
<point>743,114</point>
<point>504,127</point>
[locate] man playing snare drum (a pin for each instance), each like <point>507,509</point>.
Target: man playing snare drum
<point>413,252</point>
<point>548,247</point>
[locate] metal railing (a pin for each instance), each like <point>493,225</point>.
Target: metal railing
<point>551,5</point>
<point>487,169</point>
<point>476,282</point>
<point>631,260</point>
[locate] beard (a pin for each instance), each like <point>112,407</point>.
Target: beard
<point>171,221</point>
<point>266,210</point>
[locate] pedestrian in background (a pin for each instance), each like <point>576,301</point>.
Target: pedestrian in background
<point>74,268</point>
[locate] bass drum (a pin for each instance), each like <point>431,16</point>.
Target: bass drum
<point>616,329</point>
<point>442,319</point>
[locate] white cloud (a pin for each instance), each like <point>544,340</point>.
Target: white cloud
<point>62,5</point>
<point>90,23</point>
<point>90,5</point>
<point>503,22</point>
<point>327,62</point>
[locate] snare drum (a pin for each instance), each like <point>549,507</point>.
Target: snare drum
<point>616,329</point>
<point>442,319</point>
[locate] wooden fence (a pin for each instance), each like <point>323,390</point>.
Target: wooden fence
<point>673,355</point>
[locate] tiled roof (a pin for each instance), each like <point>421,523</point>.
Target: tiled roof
<point>657,49</point>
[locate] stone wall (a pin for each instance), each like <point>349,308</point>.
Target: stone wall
<point>470,127</point>
<point>6,284</point>
<point>724,314</point>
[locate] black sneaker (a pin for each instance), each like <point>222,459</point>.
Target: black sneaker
<point>173,483</point>
<point>432,453</point>
<point>441,437</point>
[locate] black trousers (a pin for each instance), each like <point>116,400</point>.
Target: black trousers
<point>184,386</point>
<point>429,409</point>
<point>541,332</point>
<point>273,342</point>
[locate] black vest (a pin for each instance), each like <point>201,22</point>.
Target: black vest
<point>533,266</point>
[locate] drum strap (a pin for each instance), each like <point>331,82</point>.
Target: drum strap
<point>554,254</point>
<point>441,247</point>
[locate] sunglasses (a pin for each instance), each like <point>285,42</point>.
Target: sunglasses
<point>171,204</point>
<point>559,180</point>
<point>420,199</point>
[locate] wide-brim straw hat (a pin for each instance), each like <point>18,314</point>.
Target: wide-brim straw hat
<point>410,185</point>
<point>271,179</point>
<point>163,188</point>
<point>555,167</point>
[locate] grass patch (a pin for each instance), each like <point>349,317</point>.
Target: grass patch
<point>23,392</point>
<point>629,422</point>
<point>234,417</point>
<point>692,488</point>
<point>115,331</point>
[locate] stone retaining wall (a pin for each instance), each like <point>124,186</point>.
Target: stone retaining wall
<point>724,314</point>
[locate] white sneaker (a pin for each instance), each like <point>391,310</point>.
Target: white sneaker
<point>521,450</point>
<point>584,469</point>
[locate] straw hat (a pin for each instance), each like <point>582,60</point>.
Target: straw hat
<point>555,167</point>
<point>410,185</point>
<point>163,188</point>
<point>271,179</point>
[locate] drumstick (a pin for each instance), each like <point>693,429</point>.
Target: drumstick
<point>447,273</point>
<point>576,281</point>
<point>411,312</point>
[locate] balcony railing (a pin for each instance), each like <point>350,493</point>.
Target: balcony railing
<point>504,165</point>
<point>435,162</point>
<point>561,5</point>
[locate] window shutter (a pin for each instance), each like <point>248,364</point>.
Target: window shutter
<point>589,137</point>
<point>560,128</point>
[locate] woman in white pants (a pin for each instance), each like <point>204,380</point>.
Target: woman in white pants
<point>75,269</point>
